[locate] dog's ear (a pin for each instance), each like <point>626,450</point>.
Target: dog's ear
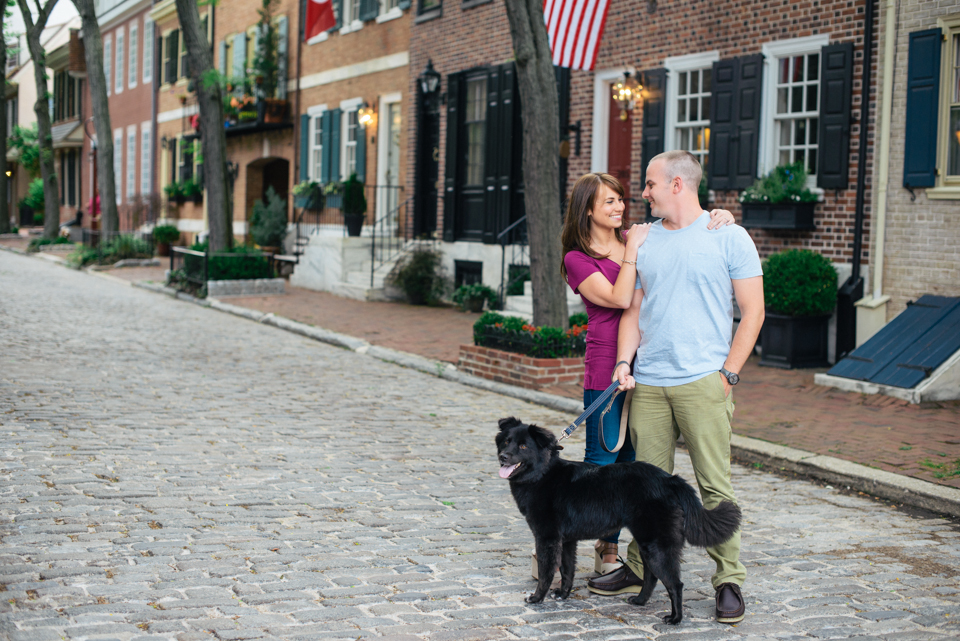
<point>544,438</point>
<point>509,422</point>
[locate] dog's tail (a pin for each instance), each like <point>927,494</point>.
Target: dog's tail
<point>705,528</point>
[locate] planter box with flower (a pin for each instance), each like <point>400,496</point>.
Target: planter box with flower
<point>471,298</point>
<point>800,292</point>
<point>780,200</point>
<point>307,194</point>
<point>175,192</point>
<point>507,350</point>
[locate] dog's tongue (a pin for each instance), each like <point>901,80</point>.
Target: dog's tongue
<point>507,470</point>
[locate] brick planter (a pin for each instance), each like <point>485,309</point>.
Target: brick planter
<point>516,369</point>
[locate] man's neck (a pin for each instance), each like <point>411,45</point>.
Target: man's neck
<point>687,212</point>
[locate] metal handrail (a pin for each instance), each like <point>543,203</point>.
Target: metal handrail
<point>382,222</point>
<point>509,228</point>
<point>503,257</point>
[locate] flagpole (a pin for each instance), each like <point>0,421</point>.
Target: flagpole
<point>298,135</point>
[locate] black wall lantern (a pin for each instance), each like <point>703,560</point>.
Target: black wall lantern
<point>429,79</point>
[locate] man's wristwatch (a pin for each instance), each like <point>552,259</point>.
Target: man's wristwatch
<point>732,377</point>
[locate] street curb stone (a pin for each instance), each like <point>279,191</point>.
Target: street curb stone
<point>854,476</point>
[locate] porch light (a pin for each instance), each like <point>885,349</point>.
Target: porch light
<point>365,114</point>
<point>626,92</point>
<point>429,79</point>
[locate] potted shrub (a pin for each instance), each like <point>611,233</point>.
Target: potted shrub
<point>174,192</point>
<point>307,195</point>
<point>268,226</point>
<point>779,200</point>
<point>471,298</point>
<point>354,205</point>
<point>421,277</point>
<point>164,236</point>
<point>800,292</point>
<point>193,191</point>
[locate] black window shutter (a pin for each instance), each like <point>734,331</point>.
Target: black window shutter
<point>923,96</point>
<point>500,143</point>
<point>836,87</point>
<point>654,117</point>
<point>491,170</point>
<point>369,9</point>
<point>173,55</point>
<point>747,132</point>
<point>454,81</point>
<point>722,123</point>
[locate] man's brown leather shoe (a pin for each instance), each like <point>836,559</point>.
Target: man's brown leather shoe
<point>730,608</point>
<point>620,581</point>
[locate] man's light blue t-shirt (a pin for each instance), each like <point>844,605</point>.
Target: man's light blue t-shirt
<point>686,316</point>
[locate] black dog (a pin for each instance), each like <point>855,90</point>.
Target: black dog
<point>567,501</point>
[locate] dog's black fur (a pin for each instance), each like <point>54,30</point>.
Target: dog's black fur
<point>567,501</point>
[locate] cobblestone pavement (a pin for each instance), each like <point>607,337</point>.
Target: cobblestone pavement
<point>171,472</point>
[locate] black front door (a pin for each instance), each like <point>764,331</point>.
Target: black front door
<point>428,166</point>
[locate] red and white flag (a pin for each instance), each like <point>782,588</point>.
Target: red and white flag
<point>319,18</point>
<point>575,28</point>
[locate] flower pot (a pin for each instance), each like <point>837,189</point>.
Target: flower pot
<point>790,342</point>
<point>354,223</point>
<point>196,199</point>
<point>275,110</point>
<point>179,199</point>
<point>163,249</point>
<point>796,216</point>
<point>312,200</point>
<point>474,305</point>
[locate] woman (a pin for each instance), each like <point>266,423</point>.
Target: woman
<point>599,265</point>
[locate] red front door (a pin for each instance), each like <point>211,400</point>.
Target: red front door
<point>618,155</point>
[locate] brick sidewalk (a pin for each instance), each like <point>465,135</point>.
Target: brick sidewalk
<point>779,406</point>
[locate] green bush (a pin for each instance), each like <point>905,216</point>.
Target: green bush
<point>166,233</point>
<point>785,184</point>
<point>580,318</point>
<point>37,243</point>
<point>192,189</point>
<point>174,190</point>
<point>513,334</point>
<point>354,202</point>
<point>268,226</point>
<point>120,248</point>
<point>34,198</point>
<point>799,282</point>
<point>240,263</point>
<point>421,277</point>
<point>474,291</point>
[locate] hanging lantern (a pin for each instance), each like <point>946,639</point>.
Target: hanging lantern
<point>626,92</point>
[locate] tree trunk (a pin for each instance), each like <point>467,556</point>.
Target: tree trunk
<point>97,82</point>
<point>51,191</point>
<point>210,102</point>
<point>540,114</point>
<point>4,208</point>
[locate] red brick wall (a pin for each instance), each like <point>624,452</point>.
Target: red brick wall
<point>516,369</point>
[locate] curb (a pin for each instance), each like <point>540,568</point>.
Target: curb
<point>853,476</point>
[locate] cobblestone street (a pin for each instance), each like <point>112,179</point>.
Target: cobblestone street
<point>172,472</point>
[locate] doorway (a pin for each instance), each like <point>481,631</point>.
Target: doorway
<point>618,151</point>
<point>426,189</point>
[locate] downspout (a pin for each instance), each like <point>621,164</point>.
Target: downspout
<point>154,152</point>
<point>297,134</point>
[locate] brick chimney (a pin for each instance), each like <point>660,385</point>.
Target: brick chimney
<point>77,66</point>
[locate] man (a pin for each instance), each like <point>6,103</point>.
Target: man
<point>678,327</point>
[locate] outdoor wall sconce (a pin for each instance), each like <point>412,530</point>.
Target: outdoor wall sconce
<point>626,92</point>
<point>366,114</point>
<point>429,79</point>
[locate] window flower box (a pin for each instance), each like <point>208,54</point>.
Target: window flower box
<point>796,216</point>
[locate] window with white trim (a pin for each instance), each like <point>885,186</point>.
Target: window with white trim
<point>132,61</point>
<point>316,145</point>
<point>348,154</point>
<point>131,161</point>
<point>147,50</point>
<point>118,164</point>
<point>108,62</point>
<point>692,125</point>
<point>146,144</point>
<point>118,85</point>
<point>796,121</point>
<point>475,122</point>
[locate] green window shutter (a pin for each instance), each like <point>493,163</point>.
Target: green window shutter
<point>404,4</point>
<point>338,13</point>
<point>282,30</point>
<point>369,9</point>
<point>325,139</point>
<point>304,147</point>
<point>222,52</point>
<point>362,153</point>
<point>239,55</point>
<point>923,98</point>
<point>334,144</point>
<point>836,88</point>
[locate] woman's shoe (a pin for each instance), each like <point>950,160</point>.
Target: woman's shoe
<point>600,550</point>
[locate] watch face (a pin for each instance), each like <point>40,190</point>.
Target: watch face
<point>732,378</point>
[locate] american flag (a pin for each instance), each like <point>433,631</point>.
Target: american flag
<point>575,28</point>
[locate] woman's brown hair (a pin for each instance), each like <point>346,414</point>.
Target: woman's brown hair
<point>576,223</point>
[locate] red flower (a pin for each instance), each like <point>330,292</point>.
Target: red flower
<point>195,122</point>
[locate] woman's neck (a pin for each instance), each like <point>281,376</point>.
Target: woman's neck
<point>603,240</point>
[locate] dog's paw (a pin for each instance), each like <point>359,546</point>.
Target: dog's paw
<point>638,600</point>
<point>560,594</point>
<point>534,598</point>
<point>673,619</point>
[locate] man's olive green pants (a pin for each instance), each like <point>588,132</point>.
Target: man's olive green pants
<point>701,413</point>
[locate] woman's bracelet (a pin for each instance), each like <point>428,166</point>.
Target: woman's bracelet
<point>629,262</point>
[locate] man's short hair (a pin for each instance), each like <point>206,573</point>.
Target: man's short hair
<point>683,164</point>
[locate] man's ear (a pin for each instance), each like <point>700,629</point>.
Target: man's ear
<point>508,423</point>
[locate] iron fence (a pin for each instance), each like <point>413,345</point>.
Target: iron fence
<point>198,267</point>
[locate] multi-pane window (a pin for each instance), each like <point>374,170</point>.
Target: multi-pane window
<point>118,86</point>
<point>118,164</point>
<point>147,50</point>
<point>108,62</point>
<point>316,147</point>
<point>427,5</point>
<point>387,5</point>
<point>351,10</point>
<point>475,119</point>
<point>145,157</point>
<point>350,133</point>
<point>953,138</point>
<point>692,131</point>
<point>132,61</point>
<point>131,161</point>
<point>796,122</point>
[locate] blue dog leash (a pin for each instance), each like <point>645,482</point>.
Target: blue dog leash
<point>608,396</point>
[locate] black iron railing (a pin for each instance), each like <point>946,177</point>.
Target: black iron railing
<point>198,267</point>
<point>518,271</point>
<point>387,239</point>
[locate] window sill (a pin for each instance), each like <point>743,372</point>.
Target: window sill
<point>470,4</point>
<point>429,15</point>
<point>320,37</point>
<point>356,25</point>
<point>944,193</point>
<point>393,14</point>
